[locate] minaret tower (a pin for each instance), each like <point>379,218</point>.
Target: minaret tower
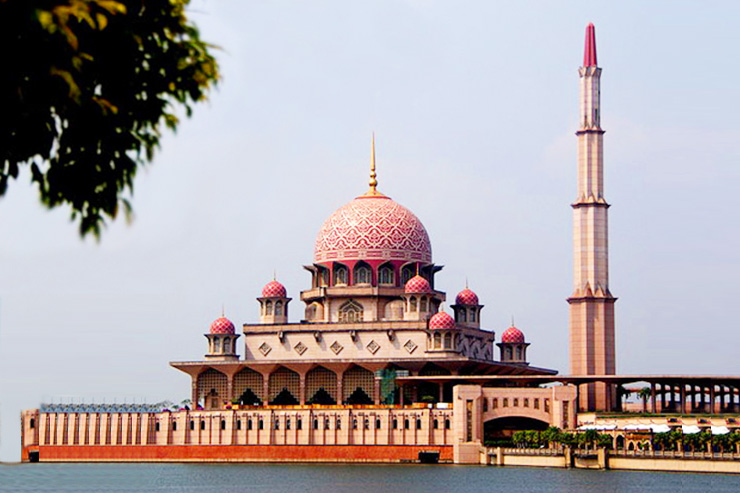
<point>591,304</point>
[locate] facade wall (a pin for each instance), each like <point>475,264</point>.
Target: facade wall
<point>246,453</point>
<point>289,426</point>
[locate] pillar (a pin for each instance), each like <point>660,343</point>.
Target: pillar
<point>712,398</point>
<point>302,389</point>
<point>194,392</point>
<point>652,398</point>
<point>230,386</point>
<point>682,396</point>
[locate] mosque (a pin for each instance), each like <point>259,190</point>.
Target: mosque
<point>378,369</point>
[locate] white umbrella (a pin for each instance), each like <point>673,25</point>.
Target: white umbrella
<point>660,428</point>
<point>690,429</point>
<point>720,430</point>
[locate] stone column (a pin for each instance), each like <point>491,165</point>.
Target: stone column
<point>194,392</point>
<point>682,396</point>
<point>712,398</point>
<point>302,389</point>
<point>652,398</point>
<point>230,386</point>
<point>340,387</point>
<point>266,388</point>
<point>662,397</point>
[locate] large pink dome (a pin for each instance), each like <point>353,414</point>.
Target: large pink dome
<point>373,228</point>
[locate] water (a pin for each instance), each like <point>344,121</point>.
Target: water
<point>353,478</point>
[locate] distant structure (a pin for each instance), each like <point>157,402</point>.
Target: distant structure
<point>591,304</point>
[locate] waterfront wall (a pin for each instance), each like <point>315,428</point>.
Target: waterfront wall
<point>119,436</point>
<point>239,453</point>
<point>603,459</point>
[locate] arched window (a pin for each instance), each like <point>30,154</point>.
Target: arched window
<point>351,311</point>
<point>278,308</point>
<point>363,275</point>
<point>437,340</point>
<point>472,314</point>
<point>423,304</point>
<point>217,345</point>
<point>340,275</point>
<point>227,346</point>
<point>385,275</point>
<point>508,353</point>
<point>518,352</point>
<point>323,277</point>
<point>413,304</point>
<point>448,340</point>
<point>407,273</point>
<point>268,307</point>
<point>315,311</point>
<point>463,316</point>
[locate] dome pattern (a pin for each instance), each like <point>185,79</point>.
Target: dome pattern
<point>417,284</point>
<point>513,335</point>
<point>466,297</point>
<point>442,320</point>
<point>222,326</point>
<point>372,227</point>
<point>274,289</point>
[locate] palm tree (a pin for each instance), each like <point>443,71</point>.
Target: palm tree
<point>645,393</point>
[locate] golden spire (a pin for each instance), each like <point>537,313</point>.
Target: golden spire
<point>373,192</point>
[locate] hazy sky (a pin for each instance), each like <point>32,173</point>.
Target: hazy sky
<point>474,104</point>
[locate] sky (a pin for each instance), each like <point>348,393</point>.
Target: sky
<point>474,105</point>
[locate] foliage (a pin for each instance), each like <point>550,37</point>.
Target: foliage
<point>645,393</point>
<point>87,86</point>
<point>553,436</point>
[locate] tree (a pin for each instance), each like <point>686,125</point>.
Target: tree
<point>87,87</point>
<point>645,393</point>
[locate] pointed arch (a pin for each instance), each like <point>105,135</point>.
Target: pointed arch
<point>362,274</point>
<point>340,274</point>
<point>351,311</point>
<point>321,386</point>
<point>248,387</point>
<point>386,275</point>
<point>214,384</point>
<point>284,387</point>
<point>358,385</point>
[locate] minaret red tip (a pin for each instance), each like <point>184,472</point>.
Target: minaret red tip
<point>589,53</point>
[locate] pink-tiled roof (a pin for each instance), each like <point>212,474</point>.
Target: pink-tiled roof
<point>222,326</point>
<point>418,284</point>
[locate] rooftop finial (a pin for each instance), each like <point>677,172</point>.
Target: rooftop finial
<point>373,181</point>
<point>373,192</point>
<point>589,52</point>
<point>512,321</point>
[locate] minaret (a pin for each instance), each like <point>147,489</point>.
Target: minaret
<point>591,304</point>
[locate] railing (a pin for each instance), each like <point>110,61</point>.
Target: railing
<point>674,454</point>
<point>527,451</point>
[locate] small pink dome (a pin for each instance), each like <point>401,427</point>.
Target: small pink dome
<point>466,297</point>
<point>442,320</point>
<point>222,326</point>
<point>274,289</point>
<point>417,284</point>
<point>512,334</point>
